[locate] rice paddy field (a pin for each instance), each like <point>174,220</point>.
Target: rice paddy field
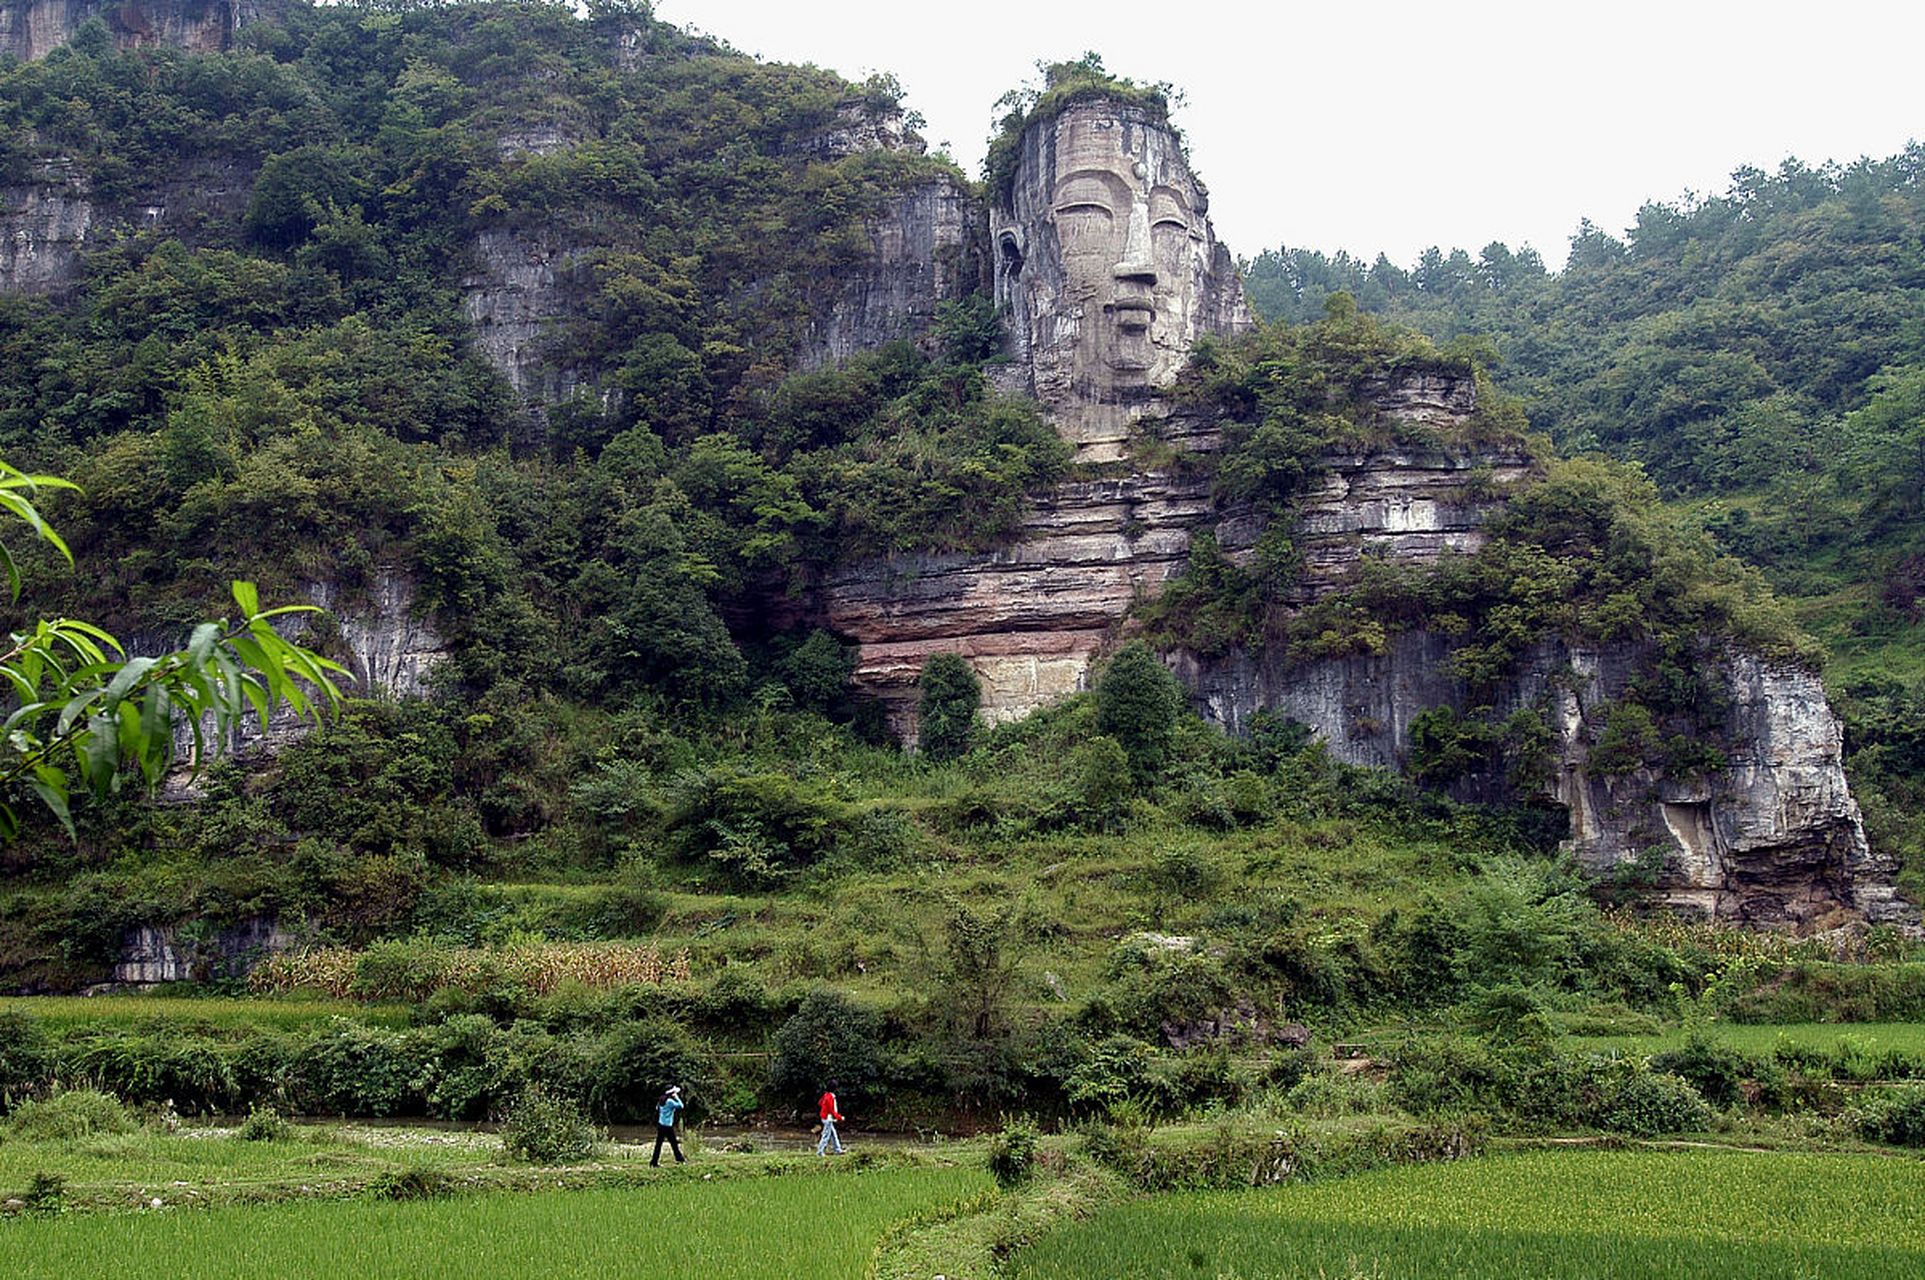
<point>225,1013</point>
<point>1864,1038</point>
<point>1542,1215</point>
<point>804,1226</point>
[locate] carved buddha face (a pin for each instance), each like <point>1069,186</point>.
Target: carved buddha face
<point>1106,266</point>
<point>1124,232</point>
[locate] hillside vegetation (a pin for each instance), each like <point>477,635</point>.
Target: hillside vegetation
<point>1760,354</point>
<point>1107,905</point>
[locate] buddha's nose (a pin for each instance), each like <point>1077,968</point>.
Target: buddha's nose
<point>1134,304</point>
<point>1136,266</point>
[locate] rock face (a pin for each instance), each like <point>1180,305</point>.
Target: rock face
<point>389,652</point>
<point>928,249</point>
<point>43,226</point>
<point>1029,619</point>
<point>516,290</point>
<point>389,648</point>
<point>1773,837</point>
<point>154,954</point>
<point>1032,618</point>
<point>48,221</point>
<point>1107,268</point>
<point>34,28</point>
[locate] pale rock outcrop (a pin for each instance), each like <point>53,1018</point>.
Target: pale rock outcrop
<point>44,224</point>
<point>376,632</point>
<point>927,249</point>
<point>516,291</point>
<point>1773,837</point>
<point>50,220</point>
<point>525,280</point>
<point>389,648</point>
<point>32,29</point>
<point>860,125</point>
<point>153,954</point>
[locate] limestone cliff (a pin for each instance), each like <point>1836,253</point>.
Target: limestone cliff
<point>1773,837</point>
<point>1033,617</point>
<point>375,632</point>
<point>50,219</point>
<point>514,295</point>
<point>927,248</point>
<point>154,954</point>
<point>44,223</point>
<point>34,28</point>
<point>50,214</point>
<point>1769,837</point>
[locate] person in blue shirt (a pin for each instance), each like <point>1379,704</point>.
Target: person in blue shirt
<point>665,1112</point>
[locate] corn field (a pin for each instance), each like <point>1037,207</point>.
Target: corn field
<point>411,970</point>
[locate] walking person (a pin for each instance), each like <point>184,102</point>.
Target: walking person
<point>826,1106</point>
<point>665,1113</point>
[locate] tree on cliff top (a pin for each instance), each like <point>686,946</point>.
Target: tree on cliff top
<point>947,713</point>
<point>1060,85</point>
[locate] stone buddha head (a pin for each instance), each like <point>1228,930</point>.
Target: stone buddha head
<point>1106,267</point>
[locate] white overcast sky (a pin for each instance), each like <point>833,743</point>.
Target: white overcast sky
<point>1374,126</point>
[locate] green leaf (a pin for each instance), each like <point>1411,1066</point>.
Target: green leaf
<point>98,751</point>
<point>247,597</point>
<point>75,708</point>
<point>55,798</point>
<point>128,676</point>
<point>201,644</point>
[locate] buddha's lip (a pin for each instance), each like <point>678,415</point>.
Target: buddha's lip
<point>1134,304</point>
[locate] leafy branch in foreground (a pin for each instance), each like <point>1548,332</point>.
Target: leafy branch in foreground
<point>84,714</point>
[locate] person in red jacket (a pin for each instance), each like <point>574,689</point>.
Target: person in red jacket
<point>826,1107</point>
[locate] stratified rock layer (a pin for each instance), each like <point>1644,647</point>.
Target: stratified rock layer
<point>1033,617</point>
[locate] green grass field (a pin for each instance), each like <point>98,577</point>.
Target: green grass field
<point>1861,1037</point>
<point>60,1013</point>
<point>798,1227</point>
<point>115,1170</point>
<point>1682,1214</point>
